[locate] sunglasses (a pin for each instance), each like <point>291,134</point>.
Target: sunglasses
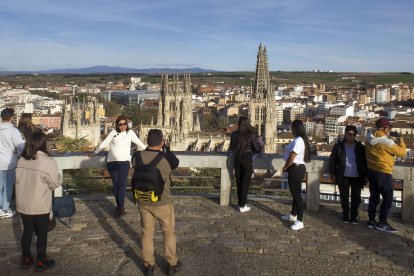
<point>122,124</point>
<point>351,134</point>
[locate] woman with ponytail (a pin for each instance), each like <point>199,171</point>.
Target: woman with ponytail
<point>296,155</point>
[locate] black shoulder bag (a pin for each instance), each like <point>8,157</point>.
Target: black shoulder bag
<point>64,206</point>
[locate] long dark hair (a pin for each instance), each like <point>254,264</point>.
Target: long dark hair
<point>246,132</point>
<point>37,142</point>
<point>26,126</point>
<point>298,130</point>
<point>25,121</point>
<point>120,118</point>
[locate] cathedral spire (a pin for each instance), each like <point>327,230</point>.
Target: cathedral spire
<point>197,127</point>
<point>261,104</point>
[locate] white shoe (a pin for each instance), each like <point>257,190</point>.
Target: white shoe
<point>8,213</point>
<point>243,209</point>
<point>289,217</point>
<point>1,213</point>
<point>297,225</point>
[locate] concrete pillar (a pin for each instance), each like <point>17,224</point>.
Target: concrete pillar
<point>225,182</point>
<point>312,191</point>
<point>407,210</point>
<point>225,187</point>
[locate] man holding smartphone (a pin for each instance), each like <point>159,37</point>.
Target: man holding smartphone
<point>162,210</point>
<point>381,151</point>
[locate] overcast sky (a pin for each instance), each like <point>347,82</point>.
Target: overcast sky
<point>338,35</point>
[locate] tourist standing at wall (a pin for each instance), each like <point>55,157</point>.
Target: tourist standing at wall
<point>11,147</point>
<point>296,154</point>
<point>118,161</point>
<point>381,151</point>
<point>161,210</point>
<point>244,143</point>
<point>348,168</point>
<point>37,175</point>
<point>26,127</point>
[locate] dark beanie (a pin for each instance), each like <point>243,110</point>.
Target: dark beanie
<point>351,128</point>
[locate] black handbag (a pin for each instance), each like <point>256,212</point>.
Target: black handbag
<point>63,207</point>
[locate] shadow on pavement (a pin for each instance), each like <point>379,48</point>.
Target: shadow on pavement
<point>395,247</point>
<point>104,214</point>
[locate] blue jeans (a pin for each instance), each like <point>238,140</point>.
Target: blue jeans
<point>119,174</point>
<point>7,179</point>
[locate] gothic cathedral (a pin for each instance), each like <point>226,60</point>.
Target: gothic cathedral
<point>82,121</point>
<point>175,107</point>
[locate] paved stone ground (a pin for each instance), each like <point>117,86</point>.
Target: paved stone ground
<point>216,240</point>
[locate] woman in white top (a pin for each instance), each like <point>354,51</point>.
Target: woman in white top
<point>119,157</point>
<point>297,153</point>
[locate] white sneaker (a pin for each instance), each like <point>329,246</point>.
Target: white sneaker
<point>289,217</point>
<point>1,213</point>
<point>297,225</point>
<point>245,208</point>
<point>8,213</point>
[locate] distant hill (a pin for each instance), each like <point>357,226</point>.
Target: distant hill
<point>112,69</point>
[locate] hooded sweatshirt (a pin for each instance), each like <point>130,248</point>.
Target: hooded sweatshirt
<point>381,151</point>
<point>11,146</point>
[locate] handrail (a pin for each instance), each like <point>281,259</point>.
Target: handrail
<point>271,162</point>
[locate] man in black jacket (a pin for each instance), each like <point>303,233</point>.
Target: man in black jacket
<point>348,166</point>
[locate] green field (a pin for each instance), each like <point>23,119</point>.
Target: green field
<point>224,78</point>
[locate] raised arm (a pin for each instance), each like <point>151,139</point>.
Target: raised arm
<point>18,142</point>
<point>105,142</point>
<point>137,141</point>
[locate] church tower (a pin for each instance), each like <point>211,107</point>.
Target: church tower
<point>75,124</point>
<point>175,107</point>
<point>262,112</point>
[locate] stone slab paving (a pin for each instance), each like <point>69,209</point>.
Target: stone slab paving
<point>217,240</point>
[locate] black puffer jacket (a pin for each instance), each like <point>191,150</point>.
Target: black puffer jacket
<point>338,160</point>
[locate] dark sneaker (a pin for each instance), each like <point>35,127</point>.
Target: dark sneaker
<point>345,220</point>
<point>149,270</point>
<point>27,262</point>
<point>371,224</point>
<point>385,227</point>
<point>123,211</point>
<point>353,221</point>
<point>118,212</point>
<point>171,270</point>
<point>44,265</point>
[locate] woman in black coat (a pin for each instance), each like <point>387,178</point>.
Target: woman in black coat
<point>244,143</point>
<point>348,167</point>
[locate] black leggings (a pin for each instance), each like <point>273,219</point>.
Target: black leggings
<point>356,184</point>
<point>37,224</point>
<point>243,166</point>
<point>296,173</point>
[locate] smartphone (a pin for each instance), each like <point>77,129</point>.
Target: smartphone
<point>394,134</point>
